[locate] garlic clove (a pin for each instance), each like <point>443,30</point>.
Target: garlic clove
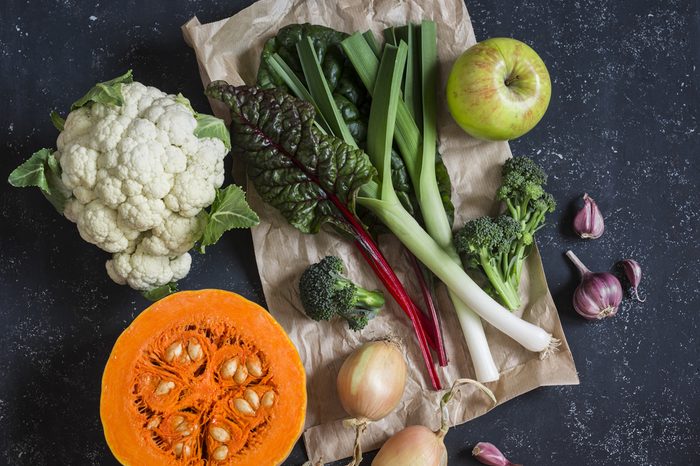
<point>633,272</point>
<point>588,223</point>
<point>487,453</point>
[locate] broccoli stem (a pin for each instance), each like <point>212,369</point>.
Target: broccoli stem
<point>366,299</point>
<point>503,284</point>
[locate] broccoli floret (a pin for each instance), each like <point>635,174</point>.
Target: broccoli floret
<point>499,247</point>
<point>486,244</point>
<point>523,181</point>
<point>325,293</point>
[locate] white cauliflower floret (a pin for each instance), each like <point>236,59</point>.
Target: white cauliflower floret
<point>139,178</point>
<point>176,234</point>
<point>99,225</point>
<point>143,271</point>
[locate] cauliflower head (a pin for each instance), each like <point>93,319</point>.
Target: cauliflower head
<point>139,172</point>
<point>138,179</point>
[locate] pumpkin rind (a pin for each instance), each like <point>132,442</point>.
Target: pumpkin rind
<point>166,398</point>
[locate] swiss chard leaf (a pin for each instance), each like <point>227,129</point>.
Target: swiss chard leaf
<point>160,292</point>
<point>294,167</point>
<point>229,210</point>
<point>107,93</point>
<point>43,171</point>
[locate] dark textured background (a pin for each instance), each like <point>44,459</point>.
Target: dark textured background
<point>622,125</point>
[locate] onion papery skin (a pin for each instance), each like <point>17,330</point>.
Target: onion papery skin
<point>413,446</point>
<point>372,379</point>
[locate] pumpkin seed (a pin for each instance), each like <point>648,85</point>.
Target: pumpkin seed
<point>183,428</point>
<point>228,369</point>
<point>268,399</point>
<point>252,397</point>
<point>241,374</point>
<point>220,453</point>
<point>254,366</point>
<point>243,407</point>
<point>153,423</point>
<point>177,420</point>
<point>178,448</point>
<point>173,351</point>
<point>194,349</point>
<point>164,387</point>
<point>219,434</point>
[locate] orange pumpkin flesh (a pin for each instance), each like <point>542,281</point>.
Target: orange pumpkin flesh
<point>203,378</point>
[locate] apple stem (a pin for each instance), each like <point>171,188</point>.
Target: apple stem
<point>511,79</point>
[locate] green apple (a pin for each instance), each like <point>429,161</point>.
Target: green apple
<point>498,89</point>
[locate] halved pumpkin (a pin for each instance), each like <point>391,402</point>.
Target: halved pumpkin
<point>203,378</point>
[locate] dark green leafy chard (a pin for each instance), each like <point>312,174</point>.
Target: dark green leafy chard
<point>499,247</point>
<point>229,210</point>
<point>342,105</point>
<point>347,91</point>
<point>43,171</point>
<point>326,293</point>
<point>160,292</point>
<point>107,93</point>
<point>310,177</point>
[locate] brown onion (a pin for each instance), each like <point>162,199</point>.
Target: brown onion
<point>370,385</point>
<point>413,446</point>
<point>420,446</point>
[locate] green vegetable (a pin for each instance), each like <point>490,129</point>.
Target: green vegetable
<point>326,293</point>
<point>320,92</point>
<point>407,136</point>
<point>43,171</point>
<point>107,93</point>
<point>335,100</point>
<point>499,247</point>
<point>160,292</point>
<point>310,177</point>
<point>228,211</point>
<point>295,168</point>
<point>348,93</point>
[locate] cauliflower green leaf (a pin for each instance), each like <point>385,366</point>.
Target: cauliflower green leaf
<point>160,292</point>
<point>229,210</point>
<point>207,126</point>
<point>211,127</point>
<point>43,171</point>
<point>57,120</point>
<point>107,93</point>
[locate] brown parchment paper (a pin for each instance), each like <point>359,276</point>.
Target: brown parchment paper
<point>229,49</point>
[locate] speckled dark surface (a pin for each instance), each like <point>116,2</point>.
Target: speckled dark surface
<point>622,125</point>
